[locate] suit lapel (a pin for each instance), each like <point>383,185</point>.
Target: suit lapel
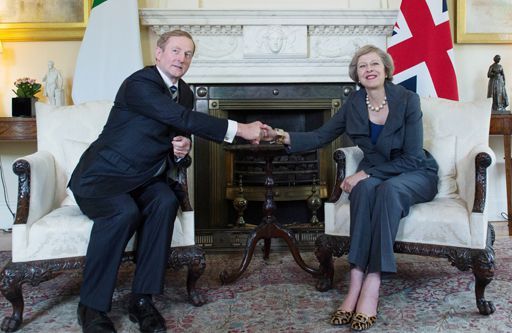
<point>393,122</point>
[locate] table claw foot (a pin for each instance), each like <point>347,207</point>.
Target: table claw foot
<point>485,307</point>
<point>10,324</point>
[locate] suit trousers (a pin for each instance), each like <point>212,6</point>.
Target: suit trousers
<point>149,210</point>
<point>376,207</point>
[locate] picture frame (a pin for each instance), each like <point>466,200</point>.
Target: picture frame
<point>56,20</point>
<point>483,22</point>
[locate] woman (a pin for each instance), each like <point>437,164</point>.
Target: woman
<point>385,121</point>
<point>496,87</point>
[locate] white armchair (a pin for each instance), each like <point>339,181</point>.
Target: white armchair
<point>454,225</point>
<point>50,234</point>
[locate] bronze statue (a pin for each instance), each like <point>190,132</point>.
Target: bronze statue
<point>496,88</point>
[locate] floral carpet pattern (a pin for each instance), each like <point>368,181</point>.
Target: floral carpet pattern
<point>276,295</point>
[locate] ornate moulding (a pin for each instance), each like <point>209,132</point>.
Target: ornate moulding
<point>263,46</point>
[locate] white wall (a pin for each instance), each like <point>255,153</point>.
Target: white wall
<point>30,59</point>
<point>472,62</point>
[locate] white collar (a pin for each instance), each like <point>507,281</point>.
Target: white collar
<point>166,79</point>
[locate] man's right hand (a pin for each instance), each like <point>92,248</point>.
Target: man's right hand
<point>251,132</point>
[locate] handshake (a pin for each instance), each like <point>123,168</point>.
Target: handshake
<point>257,131</point>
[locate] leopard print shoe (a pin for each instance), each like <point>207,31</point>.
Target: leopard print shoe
<point>361,322</point>
<point>341,317</point>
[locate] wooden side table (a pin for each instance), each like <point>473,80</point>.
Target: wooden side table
<point>501,124</point>
<point>17,129</point>
<point>269,227</point>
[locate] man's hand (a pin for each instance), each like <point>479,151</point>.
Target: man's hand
<point>251,132</point>
<point>268,133</point>
<point>181,146</point>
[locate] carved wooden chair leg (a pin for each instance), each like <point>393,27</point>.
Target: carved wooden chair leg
<point>15,275</point>
<point>328,246</point>
<point>194,258</point>
<point>11,280</point>
<point>323,253</point>
<point>483,269</point>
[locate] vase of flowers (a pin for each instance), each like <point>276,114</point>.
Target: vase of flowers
<point>23,105</point>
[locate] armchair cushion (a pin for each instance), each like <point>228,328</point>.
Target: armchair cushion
<point>443,150</point>
<point>66,132</point>
<point>73,150</point>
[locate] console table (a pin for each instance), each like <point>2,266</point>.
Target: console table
<point>269,227</point>
<point>501,124</point>
<point>17,129</point>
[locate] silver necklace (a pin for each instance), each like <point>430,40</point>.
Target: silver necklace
<point>376,108</point>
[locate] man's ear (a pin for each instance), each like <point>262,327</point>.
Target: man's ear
<point>158,52</point>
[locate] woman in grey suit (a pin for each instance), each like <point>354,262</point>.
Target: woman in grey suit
<point>385,121</point>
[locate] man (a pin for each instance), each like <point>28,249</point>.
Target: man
<point>120,182</point>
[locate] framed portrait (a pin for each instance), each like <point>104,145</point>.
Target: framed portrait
<point>43,20</point>
<point>484,21</point>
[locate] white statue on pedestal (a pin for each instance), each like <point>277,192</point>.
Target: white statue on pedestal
<point>53,85</point>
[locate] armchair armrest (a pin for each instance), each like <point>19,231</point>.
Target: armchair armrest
<point>182,166</point>
<point>36,186</point>
<point>472,177</point>
<point>347,159</point>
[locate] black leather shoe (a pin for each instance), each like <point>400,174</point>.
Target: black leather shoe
<point>93,321</point>
<point>142,311</point>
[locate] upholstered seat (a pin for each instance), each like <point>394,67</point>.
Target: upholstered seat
<point>453,225</point>
<point>50,233</point>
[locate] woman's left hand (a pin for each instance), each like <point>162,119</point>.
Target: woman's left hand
<point>349,182</point>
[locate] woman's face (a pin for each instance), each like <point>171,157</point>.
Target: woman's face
<point>371,71</point>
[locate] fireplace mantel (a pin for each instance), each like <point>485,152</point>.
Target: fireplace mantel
<point>266,46</point>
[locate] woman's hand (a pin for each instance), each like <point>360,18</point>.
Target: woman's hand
<point>349,182</point>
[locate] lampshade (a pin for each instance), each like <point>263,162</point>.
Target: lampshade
<point>1,47</point>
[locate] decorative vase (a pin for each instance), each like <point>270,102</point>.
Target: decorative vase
<point>23,106</point>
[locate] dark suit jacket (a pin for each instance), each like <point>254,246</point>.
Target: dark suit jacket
<point>399,147</point>
<point>137,136</point>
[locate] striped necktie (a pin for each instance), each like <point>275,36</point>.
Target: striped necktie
<point>174,93</point>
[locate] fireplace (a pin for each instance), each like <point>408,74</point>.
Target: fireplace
<point>293,107</point>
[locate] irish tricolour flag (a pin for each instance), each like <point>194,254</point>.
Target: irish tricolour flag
<point>110,50</point>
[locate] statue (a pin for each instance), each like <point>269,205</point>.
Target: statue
<point>53,85</point>
<point>496,88</point>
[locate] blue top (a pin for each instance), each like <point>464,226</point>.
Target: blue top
<point>375,130</point>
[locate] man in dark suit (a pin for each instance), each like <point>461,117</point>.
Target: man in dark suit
<point>120,182</point>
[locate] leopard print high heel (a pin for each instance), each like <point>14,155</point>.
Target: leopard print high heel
<point>341,317</point>
<point>361,321</point>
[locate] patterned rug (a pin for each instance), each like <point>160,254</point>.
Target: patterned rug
<point>427,295</point>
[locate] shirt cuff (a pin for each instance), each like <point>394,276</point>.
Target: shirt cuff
<point>231,132</point>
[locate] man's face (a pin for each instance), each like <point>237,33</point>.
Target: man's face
<point>175,59</point>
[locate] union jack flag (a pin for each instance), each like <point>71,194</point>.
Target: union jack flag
<point>422,49</point>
